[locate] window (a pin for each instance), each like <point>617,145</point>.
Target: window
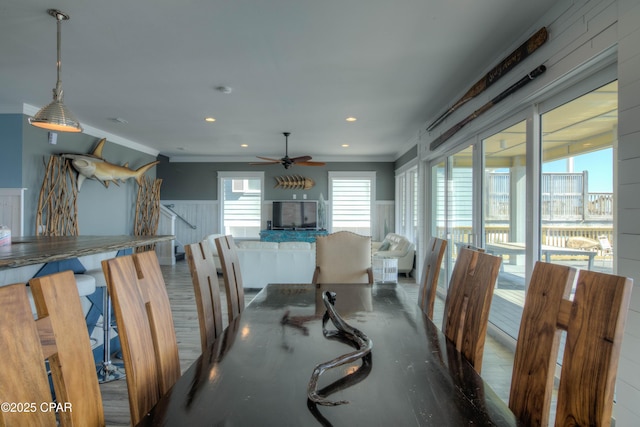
<point>351,197</point>
<point>240,195</point>
<point>407,203</point>
<point>246,185</point>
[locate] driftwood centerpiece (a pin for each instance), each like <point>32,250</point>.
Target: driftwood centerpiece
<point>344,332</point>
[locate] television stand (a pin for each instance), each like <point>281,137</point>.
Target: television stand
<point>291,235</point>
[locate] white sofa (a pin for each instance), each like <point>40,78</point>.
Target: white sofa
<point>269,262</point>
<point>396,246</point>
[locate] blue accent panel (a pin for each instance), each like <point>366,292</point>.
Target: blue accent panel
<point>122,252</point>
<point>96,308</point>
<point>291,235</point>
<point>72,264</point>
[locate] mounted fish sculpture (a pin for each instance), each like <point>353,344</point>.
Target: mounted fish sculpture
<point>294,182</point>
<point>93,166</point>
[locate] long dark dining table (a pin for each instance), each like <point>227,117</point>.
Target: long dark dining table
<point>257,372</point>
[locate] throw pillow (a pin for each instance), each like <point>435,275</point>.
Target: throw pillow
<point>385,245</point>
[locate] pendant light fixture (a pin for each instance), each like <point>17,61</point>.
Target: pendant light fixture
<point>56,116</point>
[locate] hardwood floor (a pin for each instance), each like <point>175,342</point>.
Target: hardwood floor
<point>497,361</point>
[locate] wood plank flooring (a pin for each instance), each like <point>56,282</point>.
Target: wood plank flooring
<point>497,362</point>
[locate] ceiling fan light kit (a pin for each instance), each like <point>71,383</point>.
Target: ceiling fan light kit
<point>287,161</point>
<point>56,116</point>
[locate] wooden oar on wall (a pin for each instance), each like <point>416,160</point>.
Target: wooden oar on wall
<point>510,90</point>
<point>514,58</point>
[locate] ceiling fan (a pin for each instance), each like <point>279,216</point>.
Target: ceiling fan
<point>287,161</point>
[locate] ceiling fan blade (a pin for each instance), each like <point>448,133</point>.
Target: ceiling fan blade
<point>270,159</point>
<point>301,159</point>
<point>310,163</point>
<point>265,163</point>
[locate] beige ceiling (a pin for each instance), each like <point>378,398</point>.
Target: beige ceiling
<point>294,65</point>
<point>582,125</point>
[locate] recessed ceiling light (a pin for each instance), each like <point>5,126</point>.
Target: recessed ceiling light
<point>351,119</point>
<point>224,89</point>
<point>209,119</point>
<point>244,145</point>
<point>344,145</point>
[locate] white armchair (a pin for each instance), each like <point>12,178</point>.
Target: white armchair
<point>396,246</point>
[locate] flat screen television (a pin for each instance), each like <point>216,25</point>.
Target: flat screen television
<point>295,214</point>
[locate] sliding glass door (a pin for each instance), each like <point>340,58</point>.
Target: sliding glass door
<point>504,204</point>
<point>452,207</point>
<point>543,190</point>
<point>577,206</point>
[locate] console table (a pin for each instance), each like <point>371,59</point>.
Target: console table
<point>291,235</point>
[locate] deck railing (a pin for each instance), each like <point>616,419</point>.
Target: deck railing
<point>564,197</point>
<point>551,235</point>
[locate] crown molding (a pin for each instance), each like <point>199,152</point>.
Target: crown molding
<point>243,159</point>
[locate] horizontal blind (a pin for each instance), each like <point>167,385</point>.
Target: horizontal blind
<point>242,206</point>
<point>351,204</point>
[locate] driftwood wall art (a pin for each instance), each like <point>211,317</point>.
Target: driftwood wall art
<point>57,203</point>
<point>147,210</point>
<point>94,166</point>
<point>294,182</point>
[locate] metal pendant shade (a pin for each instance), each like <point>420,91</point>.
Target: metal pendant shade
<point>56,116</point>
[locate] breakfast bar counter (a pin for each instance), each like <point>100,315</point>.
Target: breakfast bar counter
<point>32,250</point>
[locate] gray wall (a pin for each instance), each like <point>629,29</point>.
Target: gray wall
<point>10,150</point>
<point>411,154</point>
<point>101,211</point>
<point>198,181</point>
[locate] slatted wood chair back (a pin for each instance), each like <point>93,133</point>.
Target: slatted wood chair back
<point>231,275</point>
<point>466,310</point>
<point>343,257</point>
<point>205,285</point>
<point>59,335</point>
<point>594,323</point>
<point>145,326</point>
<point>430,274</point>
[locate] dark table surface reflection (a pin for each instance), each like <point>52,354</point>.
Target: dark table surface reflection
<point>257,372</point>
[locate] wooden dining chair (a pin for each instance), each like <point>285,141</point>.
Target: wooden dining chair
<point>473,248</point>
<point>343,257</point>
<point>145,326</point>
<point>430,274</point>
<point>466,309</point>
<point>59,335</point>
<point>205,285</point>
<point>231,275</point>
<point>594,323</point>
